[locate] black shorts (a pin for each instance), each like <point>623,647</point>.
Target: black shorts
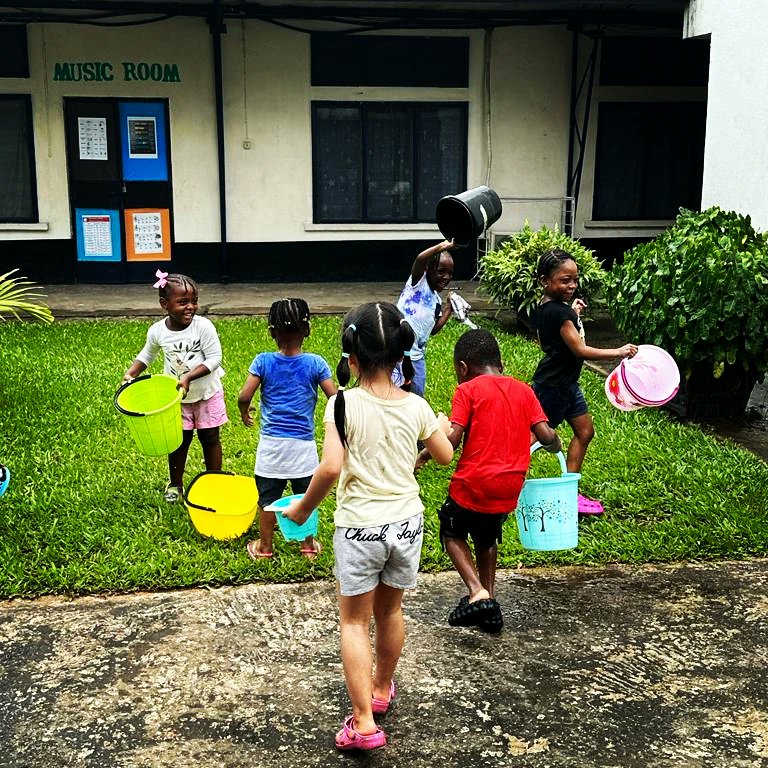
<point>271,488</point>
<point>459,523</point>
<point>561,403</point>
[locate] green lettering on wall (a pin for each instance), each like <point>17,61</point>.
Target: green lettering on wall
<point>62,71</point>
<point>100,71</point>
<point>171,73</point>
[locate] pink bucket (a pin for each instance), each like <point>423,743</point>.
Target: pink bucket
<point>650,378</point>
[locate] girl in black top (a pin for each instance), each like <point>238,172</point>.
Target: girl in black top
<point>561,336</point>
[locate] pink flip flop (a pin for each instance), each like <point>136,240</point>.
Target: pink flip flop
<point>349,738</point>
<point>381,706</point>
<point>589,506</point>
<point>254,553</point>
<point>311,553</point>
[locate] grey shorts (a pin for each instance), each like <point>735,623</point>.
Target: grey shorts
<point>388,554</point>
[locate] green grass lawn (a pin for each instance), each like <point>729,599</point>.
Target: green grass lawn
<point>84,510</point>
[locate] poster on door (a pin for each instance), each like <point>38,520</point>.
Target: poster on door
<point>147,234</point>
<point>92,138</point>
<point>98,234</point>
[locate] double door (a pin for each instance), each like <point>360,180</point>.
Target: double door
<point>120,190</point>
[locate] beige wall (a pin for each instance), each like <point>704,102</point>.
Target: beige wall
<point>268,141</point>
<point>193,144</point>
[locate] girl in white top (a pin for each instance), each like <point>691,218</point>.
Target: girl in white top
<point>370,447</point>
<point>192,353</point>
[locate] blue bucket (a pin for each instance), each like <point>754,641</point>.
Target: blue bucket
<point>290,530</point>
<point>5,478</point>
<point>547,510</point>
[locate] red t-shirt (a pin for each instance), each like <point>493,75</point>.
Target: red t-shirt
<point>497,413</point>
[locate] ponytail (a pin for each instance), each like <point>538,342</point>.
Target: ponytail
<point>379,336</point>
<point>343,375</point>
<point>407,337</point>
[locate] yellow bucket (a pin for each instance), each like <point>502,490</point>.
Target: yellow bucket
<point>152,409</point>
<point>221,504</point>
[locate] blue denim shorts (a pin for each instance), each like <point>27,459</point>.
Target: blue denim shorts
<point>561,403</point>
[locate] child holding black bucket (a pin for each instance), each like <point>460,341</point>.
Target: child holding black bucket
<point>494,415</point>
<point>561,336</point>
<point>192,353</point>
<point>422,306</point>
<point>371,434</point>
<point>288,379</point>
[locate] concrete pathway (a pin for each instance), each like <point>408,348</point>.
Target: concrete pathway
<point>649,667</point>
<point>83,300</point>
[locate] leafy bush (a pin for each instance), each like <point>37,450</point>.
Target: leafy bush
<point>508,273</point>
<point>699,290</point>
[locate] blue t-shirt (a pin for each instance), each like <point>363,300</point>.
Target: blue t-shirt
<point>289,392</point>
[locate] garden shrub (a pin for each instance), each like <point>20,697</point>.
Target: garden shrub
<point>700,291</point>
<point>508,273</point>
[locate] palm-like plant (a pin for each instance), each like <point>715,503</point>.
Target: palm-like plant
<point>17,295</point>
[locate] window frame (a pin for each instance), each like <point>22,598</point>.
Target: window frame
<point>26,98</point>
<point>614,105</point>
<point>315,104</point>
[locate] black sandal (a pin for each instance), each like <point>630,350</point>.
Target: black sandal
<point>467,614</point>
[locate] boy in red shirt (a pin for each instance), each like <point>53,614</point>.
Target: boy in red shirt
<point>495,415</point>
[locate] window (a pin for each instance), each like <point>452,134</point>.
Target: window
<point>649,159</point>
<point>384,60</point>
<point>654,61</point>
<point>377,162</point>
<point>14,56</point>
<point>18,196</point>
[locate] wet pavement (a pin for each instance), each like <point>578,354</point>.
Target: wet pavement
<point>596,668</point>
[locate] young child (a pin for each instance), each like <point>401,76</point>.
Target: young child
<point>423,308</point>
<point>371,433</point>
<point>561,336</point>
<point>494,415</point>
<point>289,379</point>
<point>192,353</point>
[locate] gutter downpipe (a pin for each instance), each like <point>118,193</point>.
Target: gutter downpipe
<point>217,28</point>
<point>570,217</point>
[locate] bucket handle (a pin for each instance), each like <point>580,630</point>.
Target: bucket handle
<point>124,386</point>
<point>563,468</point>
<point>194,480</point>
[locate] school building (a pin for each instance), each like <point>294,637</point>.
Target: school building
<point>306,140</point>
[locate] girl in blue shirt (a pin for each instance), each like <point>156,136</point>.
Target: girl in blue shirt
<point>288,379</point>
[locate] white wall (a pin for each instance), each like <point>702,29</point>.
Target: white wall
<point>186,43</point>
<point>736,149</point>
<point>530,98</point>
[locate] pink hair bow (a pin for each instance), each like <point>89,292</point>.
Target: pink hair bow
<point>161,276</point>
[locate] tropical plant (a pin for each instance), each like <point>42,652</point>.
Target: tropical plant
<point>508,273</point>
<point>700,291</point>
<point>18,295</point>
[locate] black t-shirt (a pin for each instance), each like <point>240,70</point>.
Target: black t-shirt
<point>559,365</point>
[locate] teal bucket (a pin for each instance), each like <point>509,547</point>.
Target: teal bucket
<point>293,531</point>
<point>547,510</point>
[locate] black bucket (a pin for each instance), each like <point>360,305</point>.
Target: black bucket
<point>463,218</point>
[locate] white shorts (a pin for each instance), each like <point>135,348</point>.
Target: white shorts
<point>387,554</point>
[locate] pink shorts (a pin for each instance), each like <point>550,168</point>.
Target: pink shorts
<point>204,414</point>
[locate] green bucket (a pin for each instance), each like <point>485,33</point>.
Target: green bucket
<point>152,409</point>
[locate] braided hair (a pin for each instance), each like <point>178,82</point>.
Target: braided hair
<point>379,336</point>
<point>177,282</point>
<point>550,262</point>
<point>289,316</point>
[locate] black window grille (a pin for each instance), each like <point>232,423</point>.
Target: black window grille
<point>384,162</point>
<point>649,159</point>
<point>384,60</point>
<point>14,55</point>
<point>18,193</point>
